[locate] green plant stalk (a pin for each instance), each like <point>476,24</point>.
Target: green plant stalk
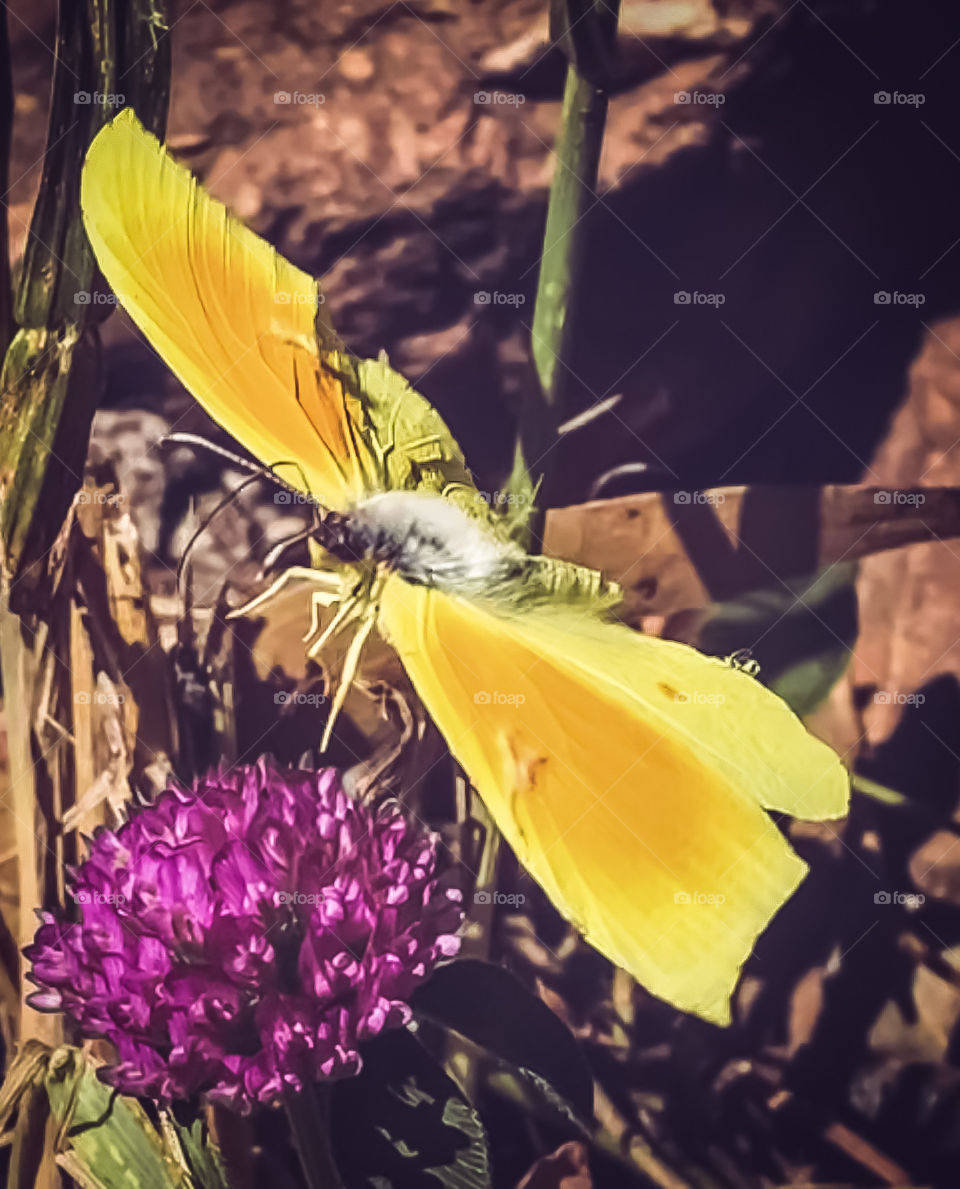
<point>46,404</point>
<point>572,194</point>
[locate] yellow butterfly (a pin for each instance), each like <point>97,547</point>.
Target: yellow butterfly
<point>630,774</point>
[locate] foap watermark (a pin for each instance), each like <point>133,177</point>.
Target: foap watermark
<point>298,698</point>
<point>699,98</point>
<point>487,697</point>
<point>909,499</point>
<point>699,497</point>
<point>886,297</point>
<point>286,297</point>
<point>86,297</point>
<point>715,899</point>
<point>498,99</point>
<point>892,697</point>
<point>502,499</point>
<point>84,897</point>
<point>299,98</point>
<point>112,499</point>
<point>292,497</point>
<point>99,98</point>
<point>698,697</point>
<point>311,899</point>
<point>906,899</point>
<point>899,98</point>
<point>484,297</point>
<point>512,898</point>
<point>684,297</point>
<point>98,697</point>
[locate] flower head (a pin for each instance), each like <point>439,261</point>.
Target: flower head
<point>240,938</point>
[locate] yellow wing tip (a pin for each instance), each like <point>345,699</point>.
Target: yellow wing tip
<point>125,123</point>
<point>124,130</point>
<point>127,116</point>
<point>718,1012</point>
<point>832,801</point>
<point>711,996</point>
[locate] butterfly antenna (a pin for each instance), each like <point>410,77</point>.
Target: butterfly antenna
<point>202,528</point>
<point>194,439</point>
<point>256,471</point>
<point>281,547</point>
<point>254,468</point>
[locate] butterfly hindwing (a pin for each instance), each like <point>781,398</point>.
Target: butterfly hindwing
<point>638,835</point>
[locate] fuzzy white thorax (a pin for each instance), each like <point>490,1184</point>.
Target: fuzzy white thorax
<point>431,540</point>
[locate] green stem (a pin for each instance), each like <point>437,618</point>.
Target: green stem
<point>879,792</point>
<point>309,1117</point>
<point>572,194</point>
<point>44,428</point>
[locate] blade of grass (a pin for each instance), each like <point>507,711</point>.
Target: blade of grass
<point>588,36</point>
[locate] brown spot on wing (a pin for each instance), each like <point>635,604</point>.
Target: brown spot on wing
<point>523,768</point>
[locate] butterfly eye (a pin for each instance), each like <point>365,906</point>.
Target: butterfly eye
<point>344,537</point>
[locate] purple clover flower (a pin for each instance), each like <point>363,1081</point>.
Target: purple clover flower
<point>239,939</point>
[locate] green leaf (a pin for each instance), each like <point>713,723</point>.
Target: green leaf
<point>402,1123</point>
<point>109,1137</point>
<point>486,1004</point>
<point>196,1151</point>
<point>800,631</point>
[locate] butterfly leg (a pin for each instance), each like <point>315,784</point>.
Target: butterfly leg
<point>304,574</point>
<point>351,663</point>
<point>318,601</point>
<point>343,613</point>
